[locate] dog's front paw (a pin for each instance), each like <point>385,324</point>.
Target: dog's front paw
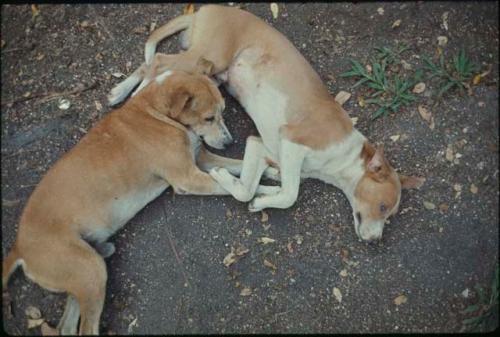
<point>116,96</point>
<point>254,206</point>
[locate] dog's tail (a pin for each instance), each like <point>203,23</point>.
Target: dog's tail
<point>173,26</point>
<point>10,263</point>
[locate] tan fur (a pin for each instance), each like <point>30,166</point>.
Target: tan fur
<point>141,146</point>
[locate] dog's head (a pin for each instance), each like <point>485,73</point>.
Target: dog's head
<point>377,193</point>
<point>195,101</point>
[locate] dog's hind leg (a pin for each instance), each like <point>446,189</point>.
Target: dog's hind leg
<point>125,87</point>
<point>68,325</point>
<point>254,165</point>
<point>292,156</point>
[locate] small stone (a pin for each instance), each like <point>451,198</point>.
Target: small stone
<point>429,205</point>
<point>473,189</point>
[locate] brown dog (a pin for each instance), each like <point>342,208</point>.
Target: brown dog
<point>127,160</point>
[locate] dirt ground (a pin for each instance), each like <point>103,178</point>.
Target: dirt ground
<point>432,257</point>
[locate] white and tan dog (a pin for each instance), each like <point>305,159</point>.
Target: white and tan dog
<point>304,131</point>
<point>128,159</point>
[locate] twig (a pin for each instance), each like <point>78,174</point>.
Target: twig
<point>11,50</point>
<point>46,96</point>
<point>169,235</point>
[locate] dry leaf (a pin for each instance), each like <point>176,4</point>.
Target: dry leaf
<point>230,258</point>
<point>274,9</point>
<point>269,264</point>
<point>140,30</point>
<point>152,27</point>
<point>246,291</point>
<point>241,250</point>
<point>344,254</point>
<point>457,187</point>
<point>445,20</point>
<point>354,120</point>
<point>442,40</point>
<point>406,65</point>
<point>343,273</point>
<point>289,247</point>
<point>444,207</point>
<point>33,312</point>
<point>424,113</point>
<point>361,101</point>
<point>98,105</point>
<point>419,88</point>
<point>394,138</point>
<point>368,68</point>
<point>10,203</point>
<point>47,330</point>
<point>400,299</point>
<point>396,23</point>
<point>429,205</point>
<point>132,325</point>
<point>473,189</point>
<point>265,240</point>
<point>118,74</point>
<point>342,97</point>
<point>189,9</point>
<point>33,323</point>
<point>34,11</point>
<point>449,153</point>
<point>476,79</point>
<point>380,11</point>
<point>265,217</point>
<point>63,104</point>
<point>337,294</point>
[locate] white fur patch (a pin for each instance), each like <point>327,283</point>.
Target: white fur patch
<point>160,78</point>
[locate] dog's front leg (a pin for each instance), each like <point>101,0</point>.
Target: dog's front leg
<point>291,159</point>
<point>254,165</point>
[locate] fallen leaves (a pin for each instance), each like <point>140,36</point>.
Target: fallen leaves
<point>33,312</point>
<point>269,264</point>
<point>380,11</point>
<point>395,137</point>
<point>265,217</point>
<point>473,189</point>
<point>427,116</point>
<point>47,330</point>
<point>449,153</point>
<point>443,208</point>
<point>34,11</point>
<point>478,77</point>
<point>10,203</point>
<point>400,300</point>
<point>444,17</point>
<point>33,323</point>
<point>337,294</point>
<point>63,104</point>
<point>419,88</point>
<point>354,120</point>
<point>361,101</point>
<point>396,23</point>
<point>246,291</point>
<point>132,325</point>
<point>274,9</point>
<point>342,97</point>
<point>429,205</point>
<point>265,240</point>
<point>234,255</point>
<point>189,9</point>
<point>442,41</point>
<point>343,273</point>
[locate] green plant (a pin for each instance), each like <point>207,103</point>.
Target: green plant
<point>450,75</point>
<point>389,93</point>
<point>486,305</point>
<point>390,55</point>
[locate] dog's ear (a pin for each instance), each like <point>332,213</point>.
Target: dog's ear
<point>180,101</point>
<point>204,66</point>
<point>411,181</point>
<point>377,160</point>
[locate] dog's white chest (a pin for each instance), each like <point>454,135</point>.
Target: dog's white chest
<point>264,104</point>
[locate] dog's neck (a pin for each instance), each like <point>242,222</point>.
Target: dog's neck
<point>347,166</point>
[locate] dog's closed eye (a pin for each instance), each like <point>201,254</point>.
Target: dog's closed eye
<point>209,119</point>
